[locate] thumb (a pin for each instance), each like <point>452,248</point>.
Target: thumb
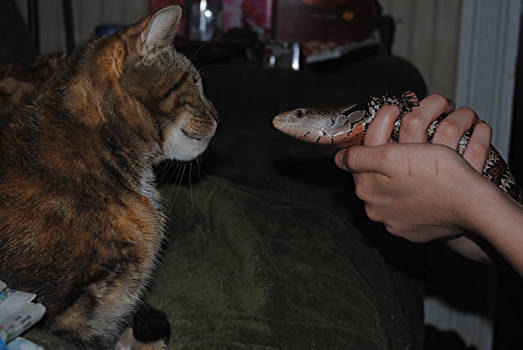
<point>359,159</point>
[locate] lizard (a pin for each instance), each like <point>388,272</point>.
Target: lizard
<point>346,126</point>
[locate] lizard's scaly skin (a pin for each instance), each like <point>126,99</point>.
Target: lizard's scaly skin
<point>346,126</point>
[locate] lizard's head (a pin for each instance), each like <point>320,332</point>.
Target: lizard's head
<point>319,125</point>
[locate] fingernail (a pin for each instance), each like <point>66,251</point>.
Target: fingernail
<point>339,159</point>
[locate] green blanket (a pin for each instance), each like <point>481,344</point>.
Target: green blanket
<point>245,269</point>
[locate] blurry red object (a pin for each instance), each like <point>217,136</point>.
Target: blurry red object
<point>155,5</point>
<point>255,14</point>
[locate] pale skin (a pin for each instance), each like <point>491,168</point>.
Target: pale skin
<point>423,192</point>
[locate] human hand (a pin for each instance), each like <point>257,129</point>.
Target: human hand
<point>417,190</point>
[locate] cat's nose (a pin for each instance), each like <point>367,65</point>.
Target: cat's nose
<point>200,131</point>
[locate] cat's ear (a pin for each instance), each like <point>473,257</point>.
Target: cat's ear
<point>161,29</point>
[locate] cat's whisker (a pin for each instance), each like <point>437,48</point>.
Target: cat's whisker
<point>173,192</point>
<point>190,185</point>
<point>193,56</point>
<point>174,173</point>
<point>172,167</point>
<point>168,173</point>
<point>179,181</point>
<point>203,62</point>
<point>208,61</point>
<point>198,165</point>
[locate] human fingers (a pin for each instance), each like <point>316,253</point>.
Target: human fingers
<point>478,146</point>
<point>414,124</point>
<point>380,129</point>
<point>451,129</point>
<point>360,159</point>
<point>339,159</point>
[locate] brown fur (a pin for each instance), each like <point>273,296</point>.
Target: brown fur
<point>21,81</point>
<point>80,221</point>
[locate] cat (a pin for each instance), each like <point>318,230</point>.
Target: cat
<point>81,221</point>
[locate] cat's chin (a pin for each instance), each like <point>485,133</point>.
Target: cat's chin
<point>180,146</point>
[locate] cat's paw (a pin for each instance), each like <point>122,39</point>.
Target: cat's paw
<point>150,325</point>
<point>127,341</point>
<point>150,331</point>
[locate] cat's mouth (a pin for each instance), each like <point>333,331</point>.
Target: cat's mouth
<point>181,143</point>
<point>191,136</point>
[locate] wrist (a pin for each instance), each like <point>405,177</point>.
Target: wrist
<point>499,220</point>
<point>495,208</point>
<point>469,199</point>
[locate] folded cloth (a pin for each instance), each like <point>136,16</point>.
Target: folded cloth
<point>247,270</point>
<point>244,269</point>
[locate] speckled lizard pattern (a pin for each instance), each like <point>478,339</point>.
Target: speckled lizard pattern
<point>346,126</point>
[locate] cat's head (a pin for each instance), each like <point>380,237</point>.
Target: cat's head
<point>138,72</point>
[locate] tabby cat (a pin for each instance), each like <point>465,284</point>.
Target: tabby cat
<point>81,223</point>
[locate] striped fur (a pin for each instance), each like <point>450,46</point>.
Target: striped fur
<point>80,219</point>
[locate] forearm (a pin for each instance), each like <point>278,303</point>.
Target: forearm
<point>499,219</point>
